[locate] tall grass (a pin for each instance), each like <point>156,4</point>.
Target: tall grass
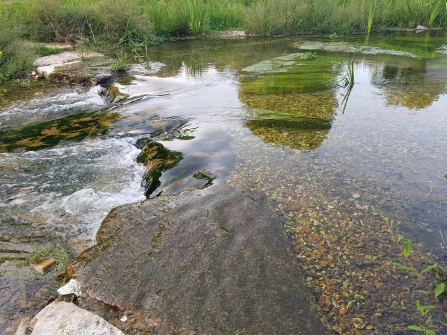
<point>134,21</point>
<point>195,14</point>
<point>434,8</point>
<point>371,12</point>
<point>413,10</point>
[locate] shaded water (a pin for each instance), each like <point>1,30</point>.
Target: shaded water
<point>266,114</point>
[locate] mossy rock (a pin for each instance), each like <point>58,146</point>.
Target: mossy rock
<point>157,159</point>
<point>51,133</point>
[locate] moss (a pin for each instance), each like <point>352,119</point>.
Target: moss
<point>51,133</point>
<point>157,159</point>
<point>296,134</point>
<point>282,75</point>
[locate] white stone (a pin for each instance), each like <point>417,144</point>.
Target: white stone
<point>62,318</point>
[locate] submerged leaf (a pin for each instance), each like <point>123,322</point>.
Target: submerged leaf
<point>403,267</point>
<point>439,289</point>
<point>415,328</point>
<point>423,292</point>
<point>434,265</point>
<point>408,247</point>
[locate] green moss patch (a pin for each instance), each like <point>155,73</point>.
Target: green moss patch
<point>157,160</point>
<point>48,134</point>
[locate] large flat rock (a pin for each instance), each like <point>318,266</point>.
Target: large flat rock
<point>213,261</point>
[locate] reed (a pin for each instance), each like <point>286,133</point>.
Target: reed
<point>371,11</point>
<point>413,9</point>
<point>195,13</point>
<point>434,8</point>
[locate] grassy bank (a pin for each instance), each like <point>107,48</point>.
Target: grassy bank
<point>141,22</point>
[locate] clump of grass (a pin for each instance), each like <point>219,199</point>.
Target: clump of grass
<point>43,50</point>
<point>434,8</point>
<point>347,81</point>
<point>371,12</point>
<point>56,251</point>
<point>195,13</point>
<point>16,56</point>
<point>121,63</point>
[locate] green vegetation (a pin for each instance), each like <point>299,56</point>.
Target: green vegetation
<point>50,133</point>
<point>121,63</point>
<point>138,23</point>
<point>55,251</point>
<point>426,321</point>
<point>157,160</point>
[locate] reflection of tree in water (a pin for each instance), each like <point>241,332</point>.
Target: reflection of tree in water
<point>414,85</point>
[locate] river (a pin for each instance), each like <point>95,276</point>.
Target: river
<point>275,115</point>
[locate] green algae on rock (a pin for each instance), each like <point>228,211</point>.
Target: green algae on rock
<point>157,160</point>
<point>294,73</point>
<point>290,99</point>
<point>51,133</point>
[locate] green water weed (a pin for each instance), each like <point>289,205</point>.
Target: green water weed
<point>426,320</point>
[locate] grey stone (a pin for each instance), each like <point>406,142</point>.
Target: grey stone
<point>214,261</point>
<point>63,58</point>
<point>63,318</point>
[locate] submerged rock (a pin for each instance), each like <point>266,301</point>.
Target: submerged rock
<point>213,261</point>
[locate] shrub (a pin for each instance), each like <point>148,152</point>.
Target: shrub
<point>17,55</point>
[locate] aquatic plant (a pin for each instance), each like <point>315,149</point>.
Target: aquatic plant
<point>426,320</point>
<point>347,81</point>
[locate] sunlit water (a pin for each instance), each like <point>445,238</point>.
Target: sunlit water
<point>376,151</point>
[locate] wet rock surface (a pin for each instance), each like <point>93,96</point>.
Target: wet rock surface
<point>212,261</point>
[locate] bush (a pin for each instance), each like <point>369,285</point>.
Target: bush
<point>275,17</point>
<point>17,55</point>
<point>121,64</point>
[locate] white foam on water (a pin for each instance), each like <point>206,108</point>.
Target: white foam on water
<point>49,106</point>
<point>71,189</point>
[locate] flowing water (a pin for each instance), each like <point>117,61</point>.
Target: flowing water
<point>269,114</point>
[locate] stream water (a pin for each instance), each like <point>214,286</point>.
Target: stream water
<point>267,114</point>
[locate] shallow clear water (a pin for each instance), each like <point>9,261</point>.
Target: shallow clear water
<point>333,162</point>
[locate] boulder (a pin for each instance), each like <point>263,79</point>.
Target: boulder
<point>71,66</point>
<point>212,261</point>
<point>62,318</point>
